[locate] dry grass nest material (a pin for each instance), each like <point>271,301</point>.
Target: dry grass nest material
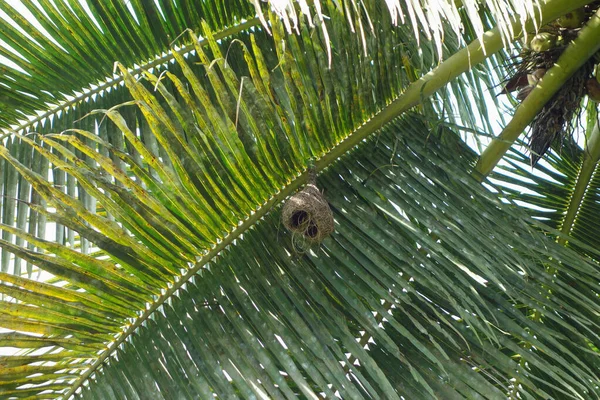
<point>308,216</point>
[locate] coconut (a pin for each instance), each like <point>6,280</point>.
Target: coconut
<point>572,20</point>
<point>543,42</point>
<point>524,92</point>
<point>592,88</point>
<point>534,77</point>
<point>555,123</point>
<point>307,213</point>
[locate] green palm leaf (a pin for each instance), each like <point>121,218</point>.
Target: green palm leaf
<point>564,192</point>
<point>395,270</point>
<point>73,50</point>
<point>171,275</point>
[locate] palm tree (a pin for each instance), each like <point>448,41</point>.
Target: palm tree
<point>148,147</point>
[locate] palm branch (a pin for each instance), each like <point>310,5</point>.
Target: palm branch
<point>170,273</point>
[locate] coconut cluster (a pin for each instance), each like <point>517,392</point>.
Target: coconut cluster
<point>557,118</point>
<point>307,215</point>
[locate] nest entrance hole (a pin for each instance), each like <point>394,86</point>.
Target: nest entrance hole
<point>312,231</point>
<point>299,219</point>
<point>302,221</point>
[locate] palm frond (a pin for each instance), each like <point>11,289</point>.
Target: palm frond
<point>386,89</point>
<point>439,316</point>
<point>169,183</point>
<point>158,186</point>
<point>66,49</point>
<point>111,92</point>
<point>563,193</point>
<point>425,16</point>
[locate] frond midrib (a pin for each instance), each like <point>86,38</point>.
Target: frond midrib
<point>590,158</point>
<point>383,117</point>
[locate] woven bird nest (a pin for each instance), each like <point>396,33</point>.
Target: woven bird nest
<point>307,214</point>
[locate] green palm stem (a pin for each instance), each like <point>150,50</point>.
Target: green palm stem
<point>462,61</point>
<point>574,56</point>
<point>590,161</point>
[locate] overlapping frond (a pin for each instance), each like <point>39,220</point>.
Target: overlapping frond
<point>153,185</point>
<point>57,50</point>
<point>60,55</point>
<point>421,292</point>
<point>558,193</point>
<point>18,194</point>
<point>171,179</point>
<point>432,18</point>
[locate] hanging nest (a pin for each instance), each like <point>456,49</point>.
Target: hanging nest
<point>558,118</point>
<point>307,215</point>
